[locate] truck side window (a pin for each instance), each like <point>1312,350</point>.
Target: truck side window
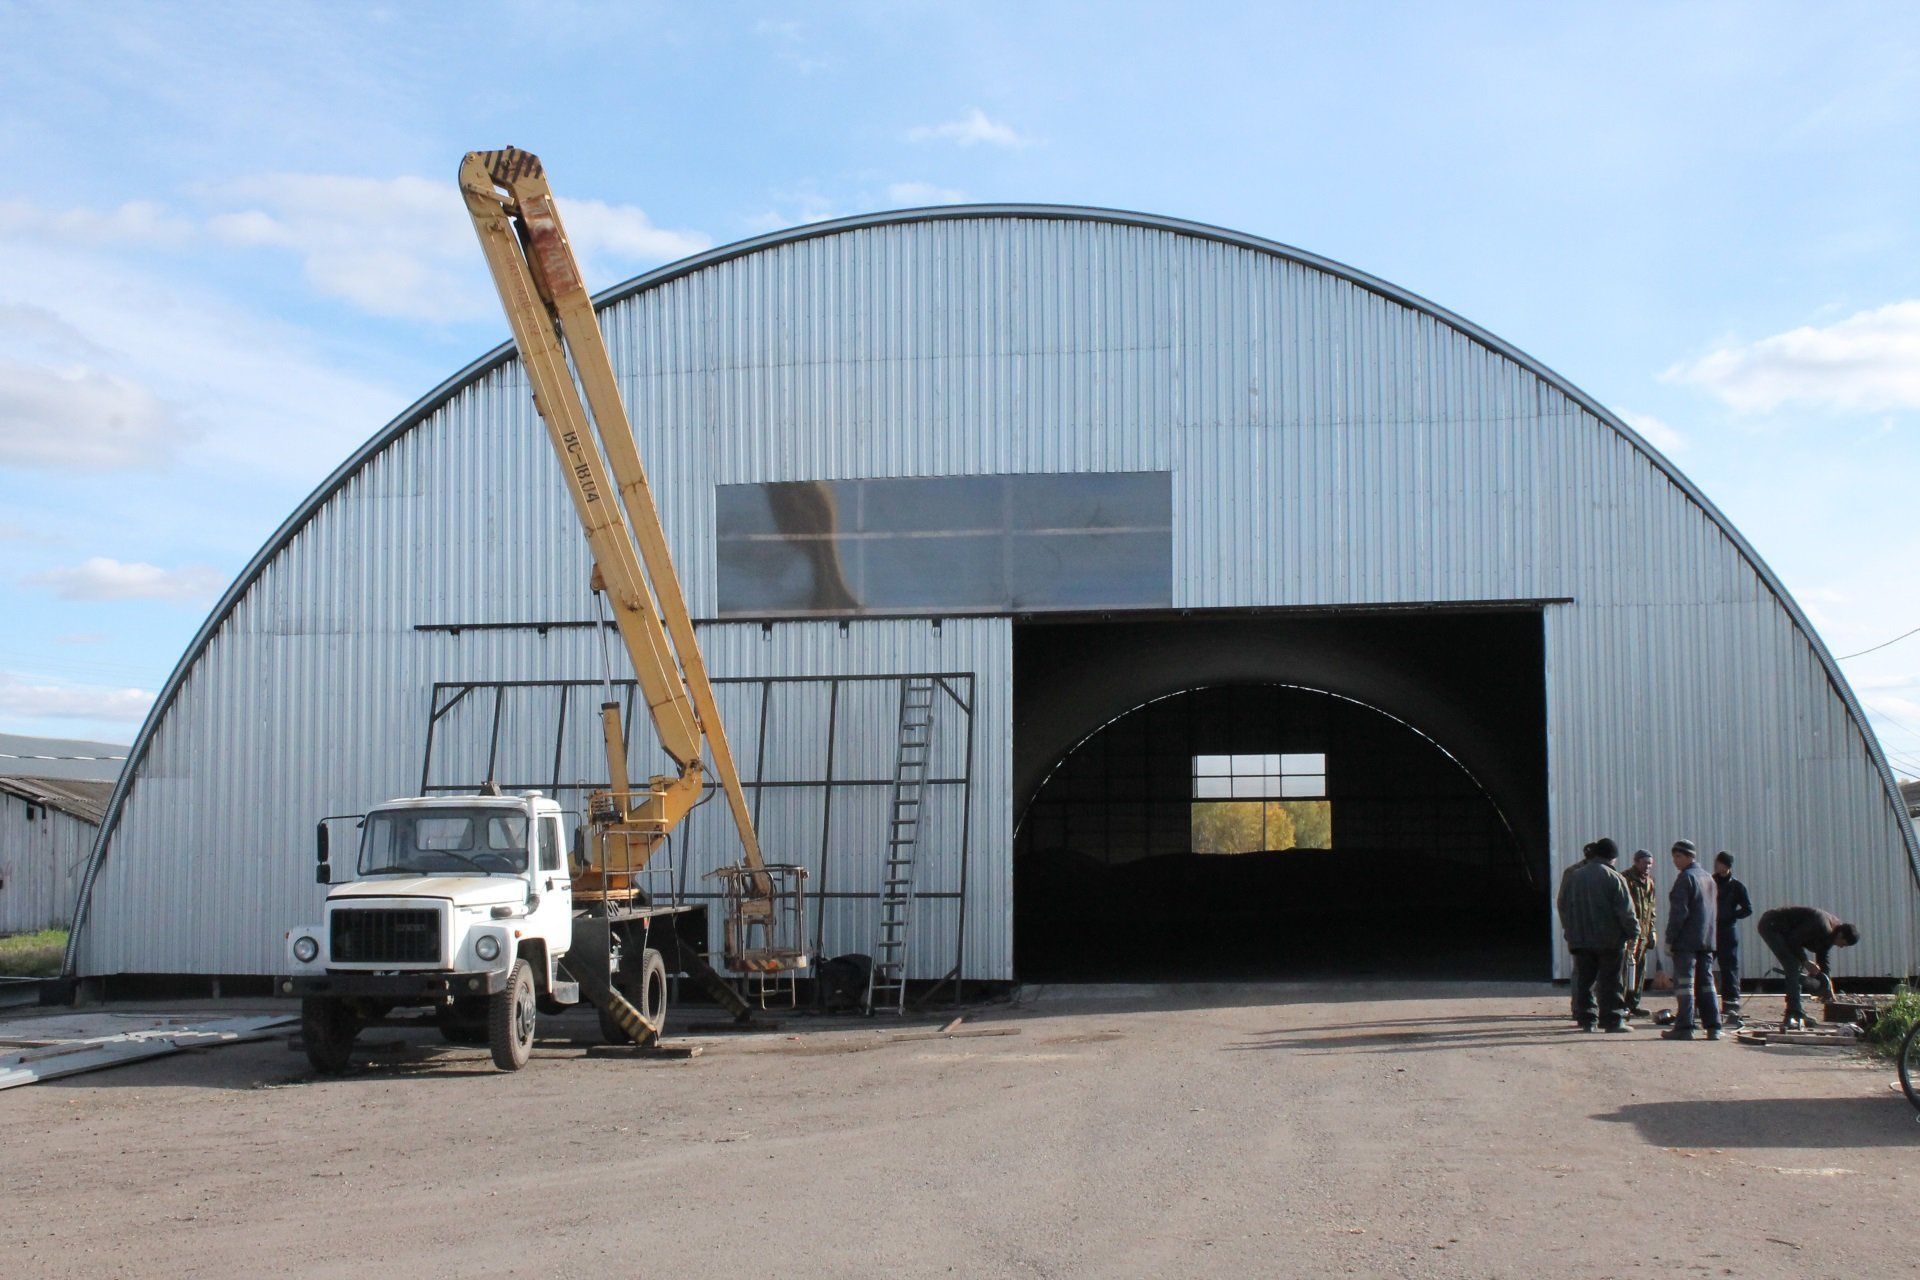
<point>549,845</point>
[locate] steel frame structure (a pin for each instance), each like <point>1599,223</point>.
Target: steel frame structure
<point>958,687</point>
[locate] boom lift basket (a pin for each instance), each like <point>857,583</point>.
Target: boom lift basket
<point>766,910</point>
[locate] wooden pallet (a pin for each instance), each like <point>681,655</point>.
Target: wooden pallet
<point>1820,1035</point>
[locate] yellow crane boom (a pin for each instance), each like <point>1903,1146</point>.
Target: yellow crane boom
<point>564,354</point>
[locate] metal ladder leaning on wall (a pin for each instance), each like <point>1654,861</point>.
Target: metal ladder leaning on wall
<point>887,982</point>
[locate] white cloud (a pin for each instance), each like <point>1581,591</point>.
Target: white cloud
<point>971,129</point>
<point>400,247</point>
<point>395,247</point>
<point>137,222</point>
<point>14,531</point>
<point>1653,431</point>
<point>101,578</point>
<point>404,246</point>
<point>790,45</point>
<point>68,401</point>
<point>36,698</point>
<point>793,209</point>
<point>621,231</point>
<point>79,416</point>
<point>258,398</point>
<point>916,194</point>
<point>1869,361</point>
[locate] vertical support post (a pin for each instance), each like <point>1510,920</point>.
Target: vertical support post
<point>433,723</point>
<point>493,739</point>
<point>760,752</point>
<point>560,736</point>
<point>966,836</point>
<point>826,823</point>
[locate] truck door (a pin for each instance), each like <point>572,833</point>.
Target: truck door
<point>554,918</point>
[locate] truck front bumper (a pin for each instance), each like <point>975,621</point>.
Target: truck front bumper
<point>402,988</point>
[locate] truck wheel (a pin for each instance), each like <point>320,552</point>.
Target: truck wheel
<point>328,1027</point>
<point>510,1018</point>
<point>648,994</point>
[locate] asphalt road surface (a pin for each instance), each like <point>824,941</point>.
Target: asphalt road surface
<point>1284,1130</point>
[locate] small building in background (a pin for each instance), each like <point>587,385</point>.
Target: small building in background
<point>47,828</point>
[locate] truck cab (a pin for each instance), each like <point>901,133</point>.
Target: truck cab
<point>462,905</point>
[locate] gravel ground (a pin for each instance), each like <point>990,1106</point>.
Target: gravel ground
<point>1287,1130</point>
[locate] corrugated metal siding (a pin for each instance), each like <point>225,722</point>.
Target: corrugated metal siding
<point>41,861</point>
<point>1329,445</point>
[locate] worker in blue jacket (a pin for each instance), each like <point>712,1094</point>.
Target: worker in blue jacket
<point>1735,906</point>
<point>1693,926</point>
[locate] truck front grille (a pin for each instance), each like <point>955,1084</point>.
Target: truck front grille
<point>385,935</point>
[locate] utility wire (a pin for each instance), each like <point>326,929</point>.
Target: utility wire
<point>1905,728</point>
<point>1896,640</point>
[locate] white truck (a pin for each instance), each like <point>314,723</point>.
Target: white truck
<point>463,906</point>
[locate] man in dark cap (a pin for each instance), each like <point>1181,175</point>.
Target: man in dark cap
<point>1693,915</point>
<point>1735,906</point>
<point>1803,937</point>
<point>1596,914</point>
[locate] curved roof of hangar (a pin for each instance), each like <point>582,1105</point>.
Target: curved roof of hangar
<point>502,354</point>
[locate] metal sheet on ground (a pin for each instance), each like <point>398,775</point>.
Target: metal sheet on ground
<point>50,1055</point>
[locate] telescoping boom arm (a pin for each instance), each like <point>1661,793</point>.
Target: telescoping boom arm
<point>559,339</point>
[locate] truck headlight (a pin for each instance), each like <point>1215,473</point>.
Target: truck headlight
<point>305,949</point>
<point>487,947</point>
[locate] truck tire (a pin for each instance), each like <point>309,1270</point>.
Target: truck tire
<point>647,993</point>
<point>510,1020</point>
<point>328,1027</point>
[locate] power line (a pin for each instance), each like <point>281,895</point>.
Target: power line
<point>1873,712</point>
<point>1896,640</point>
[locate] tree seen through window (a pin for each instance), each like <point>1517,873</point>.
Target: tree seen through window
<point>1262,803</point>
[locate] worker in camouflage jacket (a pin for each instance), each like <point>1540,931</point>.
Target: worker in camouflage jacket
<point>1646,909</point>
<point>1596,914</point>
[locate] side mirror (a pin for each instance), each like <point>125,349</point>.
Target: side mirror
<point>323,874</point>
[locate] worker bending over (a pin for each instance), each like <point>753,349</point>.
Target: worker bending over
<point>1802,937</point>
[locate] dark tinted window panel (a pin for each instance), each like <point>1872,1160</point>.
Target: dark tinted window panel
<point>974,544</point>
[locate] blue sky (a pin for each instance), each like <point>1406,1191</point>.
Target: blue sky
<point>233,250</point>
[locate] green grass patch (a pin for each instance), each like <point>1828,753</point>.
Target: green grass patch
<point>1890,1028</point>
<point>33,955</point>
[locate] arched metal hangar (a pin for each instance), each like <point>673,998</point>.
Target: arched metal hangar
<point>1284,622</point>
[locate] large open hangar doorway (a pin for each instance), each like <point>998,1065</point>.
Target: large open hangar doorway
<point>1298,794</point>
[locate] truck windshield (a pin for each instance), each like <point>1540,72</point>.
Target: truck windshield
<point>428,842</point>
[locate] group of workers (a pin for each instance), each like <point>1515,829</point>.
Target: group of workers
<point>1609,919</point>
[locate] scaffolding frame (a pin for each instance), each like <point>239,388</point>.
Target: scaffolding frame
<point>958,687</point>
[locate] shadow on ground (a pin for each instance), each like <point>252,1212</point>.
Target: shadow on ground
<point>1422,1035</point>
<point>1818,1123</point>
